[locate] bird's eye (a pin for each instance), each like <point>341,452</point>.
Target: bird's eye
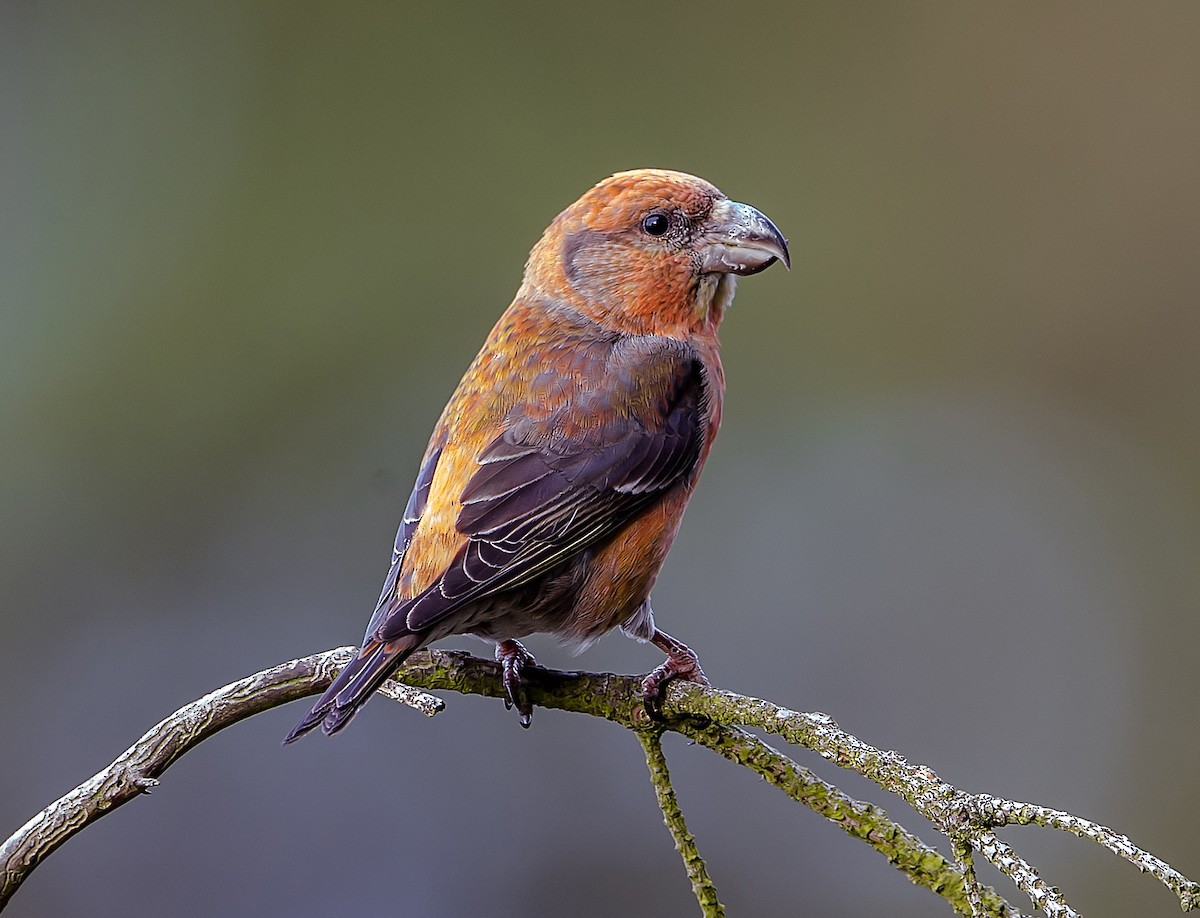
<point>656,224</point>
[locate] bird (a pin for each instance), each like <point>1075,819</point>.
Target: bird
<point>557,475</point>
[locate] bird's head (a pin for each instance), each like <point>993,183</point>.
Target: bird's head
<point>653,251</point>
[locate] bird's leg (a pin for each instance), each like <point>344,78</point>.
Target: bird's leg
<point>513,657</point>
<point>681,663</point>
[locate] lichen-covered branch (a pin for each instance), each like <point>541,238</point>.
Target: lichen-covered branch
<point>137,769</point>
<point>965,855</point>
<point>1016,868</point>
<point>985,810</point>
<point>685,843</point>
<point>965,818</point>
<point>711,717</point>
<point>922,864</point>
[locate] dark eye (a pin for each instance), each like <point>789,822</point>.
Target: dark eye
<point>656,224</point>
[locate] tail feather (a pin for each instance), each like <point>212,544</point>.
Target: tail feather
<point>355,685</point>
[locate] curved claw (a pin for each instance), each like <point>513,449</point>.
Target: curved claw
<point>513,657</point>
<point>681,663</point>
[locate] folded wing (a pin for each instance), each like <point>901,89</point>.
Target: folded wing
<point>540,496</point>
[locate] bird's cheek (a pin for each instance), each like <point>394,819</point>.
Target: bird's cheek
<point>597,273</point>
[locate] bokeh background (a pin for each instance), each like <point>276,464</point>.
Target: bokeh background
<point>248,248</point>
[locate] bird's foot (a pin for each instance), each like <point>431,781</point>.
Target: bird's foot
<point>513,657</point>
<point>681,663</point>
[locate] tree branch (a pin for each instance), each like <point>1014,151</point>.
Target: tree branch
<point>685,842</point>
<point>963,817</point>
<point>136,770</point>
<point>711,717</point>
<point>922,864</point>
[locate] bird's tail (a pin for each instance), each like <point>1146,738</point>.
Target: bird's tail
<point>355,684</point>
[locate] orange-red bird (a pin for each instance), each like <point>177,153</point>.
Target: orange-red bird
<point>558,473</point>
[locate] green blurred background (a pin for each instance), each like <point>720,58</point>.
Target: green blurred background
<point>248,248</point>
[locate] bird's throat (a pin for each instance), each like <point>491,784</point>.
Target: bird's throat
<point>714,295</point>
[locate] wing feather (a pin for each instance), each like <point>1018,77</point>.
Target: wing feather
<point>413,512</point>
<point>538,500</point>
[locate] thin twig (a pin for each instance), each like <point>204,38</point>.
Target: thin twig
<point>965,855</point>
<point>1021,872</point>
<point>137,769</point>
<point>616,698</point>
<point>985,810</point>
<point>922,864</point>
<point>958,814</point>
<point>706,715</point>
<point>685,843</point>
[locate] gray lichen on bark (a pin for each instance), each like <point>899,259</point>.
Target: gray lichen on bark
<point>712,718</point>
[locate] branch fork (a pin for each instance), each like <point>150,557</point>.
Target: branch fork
<point>713,718</point>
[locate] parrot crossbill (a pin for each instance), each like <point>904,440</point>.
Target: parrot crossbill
<point>558,473</point>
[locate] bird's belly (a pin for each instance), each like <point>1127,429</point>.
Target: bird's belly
<point>593,592</point>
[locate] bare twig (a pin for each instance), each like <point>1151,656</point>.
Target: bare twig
<point>137,769</point>
<point>984,810</point>
<point>711,717</point>
<point>965,855</point>
<point>685,843</point>
<point>922,864</point>
<point>965,818</point>
<point>1016,868</point>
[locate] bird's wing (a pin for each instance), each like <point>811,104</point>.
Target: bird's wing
<point>541,495</point>
<point>408,525</point>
